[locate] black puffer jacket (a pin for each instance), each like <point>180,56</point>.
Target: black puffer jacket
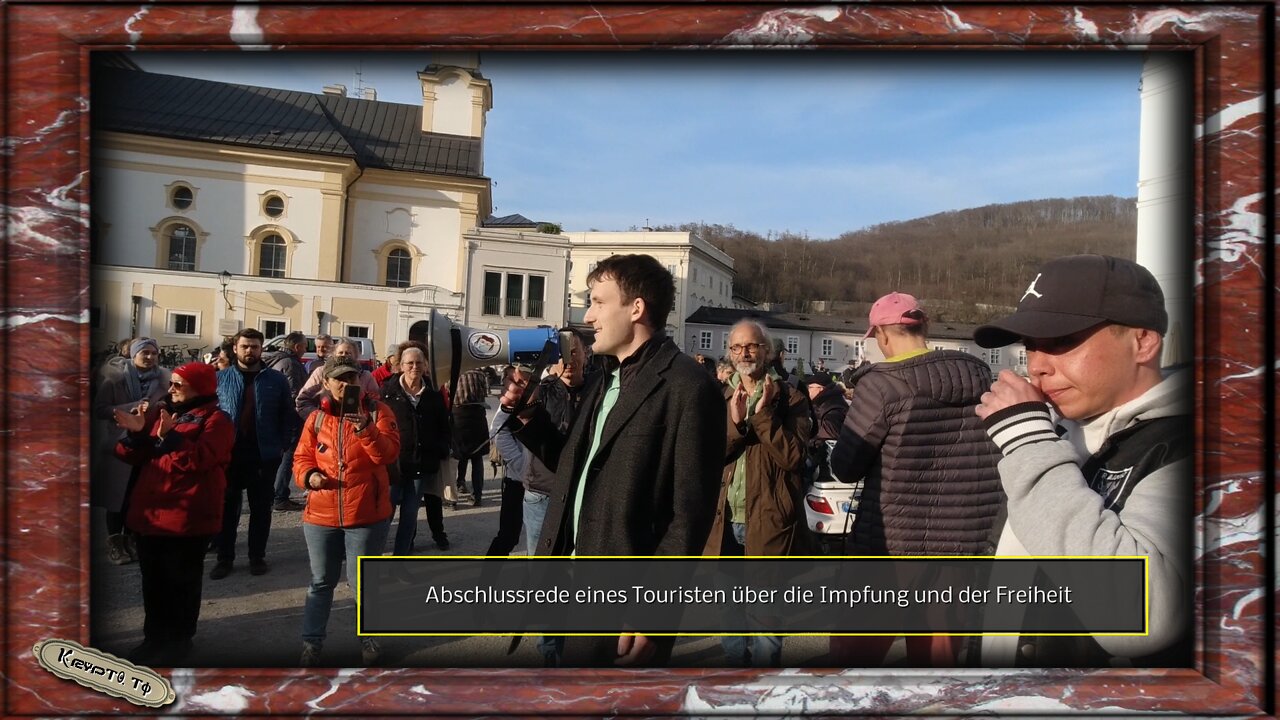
<point>424,427</point>
<point>931,481</point>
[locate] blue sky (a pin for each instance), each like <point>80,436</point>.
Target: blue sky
<point>808,142</point>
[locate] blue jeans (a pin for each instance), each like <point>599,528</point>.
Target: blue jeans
<point>407,496</point>
<point>326,549</point>
<point>755,650</point>
<point>535,511</point>
<point>284,476</point>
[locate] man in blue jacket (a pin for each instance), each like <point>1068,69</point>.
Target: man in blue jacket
<point>260,404</point>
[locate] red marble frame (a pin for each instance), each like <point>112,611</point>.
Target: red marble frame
<point>46,277</point>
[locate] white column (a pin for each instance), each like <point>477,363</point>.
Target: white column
<point>1164,192</point>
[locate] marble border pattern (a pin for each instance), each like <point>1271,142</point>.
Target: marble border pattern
<point>46,205</point>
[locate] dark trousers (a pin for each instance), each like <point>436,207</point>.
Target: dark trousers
<point>172,575</point>
<point>258,480</point>
<point>477,473</point>
<point>115,522</point>
<point>284,473</point>
<point>510,519</point>
<point>434,507</point>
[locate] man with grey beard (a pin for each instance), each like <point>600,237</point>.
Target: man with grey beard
<point>762,486</point>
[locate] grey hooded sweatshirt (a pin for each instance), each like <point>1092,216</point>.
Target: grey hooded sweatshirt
<point>1052,510</point>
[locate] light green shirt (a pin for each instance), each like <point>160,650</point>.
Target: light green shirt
<point>610,399</point>
<point>737,495</point>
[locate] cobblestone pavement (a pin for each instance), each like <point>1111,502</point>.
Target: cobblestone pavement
<point>256,621</point>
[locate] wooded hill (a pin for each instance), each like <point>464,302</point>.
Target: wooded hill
<point>966,265</point>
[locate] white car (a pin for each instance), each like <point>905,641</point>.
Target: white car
<point>829,508</point>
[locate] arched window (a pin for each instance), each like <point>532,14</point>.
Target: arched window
<point>399,268</point>
<point>182,248</point>
<point>271,257</point>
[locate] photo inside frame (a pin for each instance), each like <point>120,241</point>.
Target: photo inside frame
<point>339,193</point>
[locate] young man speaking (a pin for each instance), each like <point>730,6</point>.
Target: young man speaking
<point>638,470</point>
<point>1118,480</point>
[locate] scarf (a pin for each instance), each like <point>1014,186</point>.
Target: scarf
<point>145,379</point>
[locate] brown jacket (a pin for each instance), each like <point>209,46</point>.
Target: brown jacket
<point>774,442</point>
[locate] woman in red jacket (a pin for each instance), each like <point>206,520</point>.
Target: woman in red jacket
<point>342,461</point>
<point>176,505</point>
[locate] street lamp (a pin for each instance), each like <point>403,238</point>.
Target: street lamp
<point>224,277</point>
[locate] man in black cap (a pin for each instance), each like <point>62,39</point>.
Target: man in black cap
<point>1118,480</point>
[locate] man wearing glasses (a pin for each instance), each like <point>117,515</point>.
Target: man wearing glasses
<point>761,486</point>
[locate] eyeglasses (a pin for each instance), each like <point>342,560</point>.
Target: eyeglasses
<point>174,383</point>
<point>754,347</point>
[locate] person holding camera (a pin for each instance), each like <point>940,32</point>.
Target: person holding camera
<point>342,458</point>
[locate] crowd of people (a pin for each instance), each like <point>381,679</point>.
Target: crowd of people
<point>631,447</point>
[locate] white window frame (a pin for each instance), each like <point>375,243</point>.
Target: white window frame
<point>964,349</point>
<point>704,339</point>
<point>1022,357</point>
<point>262,325</point>
<point>828,348</point>
<point>793,345</point>
<point>993,356</point>
<point>346,330</point>
<point>859,349</point>
<point>171,326</point>
<point>524,292</point>
<point>724,342</point>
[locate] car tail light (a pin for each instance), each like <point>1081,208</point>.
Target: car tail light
<point>819,504</point>
<point>818,526</point>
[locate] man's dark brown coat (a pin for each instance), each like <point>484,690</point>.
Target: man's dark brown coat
<point>774,441</point>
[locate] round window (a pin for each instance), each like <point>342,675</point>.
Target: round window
<point>274,206</point>
<point>182,197</point>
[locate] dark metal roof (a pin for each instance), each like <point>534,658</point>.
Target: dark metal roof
<point>374,134</point>
<point>515,220</point>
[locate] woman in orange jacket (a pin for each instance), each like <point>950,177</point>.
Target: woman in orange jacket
<point>341,460</point>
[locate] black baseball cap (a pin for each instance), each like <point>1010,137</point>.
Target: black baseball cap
<point>1076,292</point>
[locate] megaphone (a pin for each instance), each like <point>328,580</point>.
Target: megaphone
<point>453,349</point>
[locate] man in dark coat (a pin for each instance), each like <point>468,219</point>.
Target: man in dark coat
<point>830,408</point>
<point>288,360</point>
<point>638,471</point>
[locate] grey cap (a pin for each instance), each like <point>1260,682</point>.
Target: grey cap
<point>337,366</point>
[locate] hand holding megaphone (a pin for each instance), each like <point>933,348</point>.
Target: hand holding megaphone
<point>514,400</point>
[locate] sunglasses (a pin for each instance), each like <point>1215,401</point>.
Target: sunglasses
<point>174,383</point>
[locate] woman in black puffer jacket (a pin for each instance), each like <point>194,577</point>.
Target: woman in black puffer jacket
<point>471,431</point>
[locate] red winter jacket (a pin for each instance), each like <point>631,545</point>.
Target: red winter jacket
<point>180,486</point>
<point>357,492</point>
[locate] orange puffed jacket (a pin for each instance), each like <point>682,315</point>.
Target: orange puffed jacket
<point>356,492</point>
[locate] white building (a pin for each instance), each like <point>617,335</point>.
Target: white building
<point>838,342</point>
<point>704,274</point>
<point>219,206</point>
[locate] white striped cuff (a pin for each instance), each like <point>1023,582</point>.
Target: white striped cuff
<point>1019,425</point>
